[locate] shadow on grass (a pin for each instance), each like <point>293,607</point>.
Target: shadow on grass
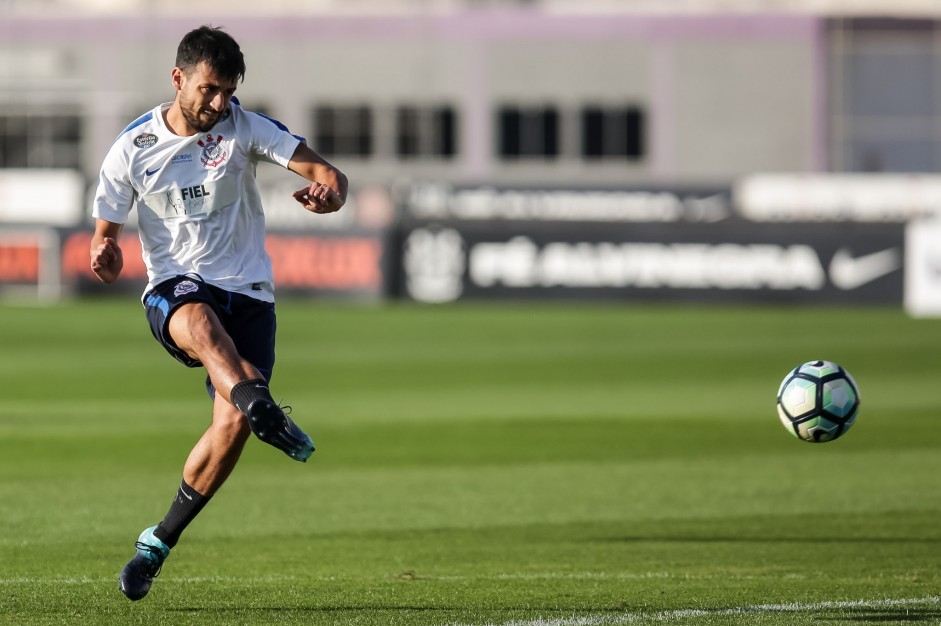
<point>876,615</point>
<point>321,608</point>
<point>769,539</point>
<point>860,615</point>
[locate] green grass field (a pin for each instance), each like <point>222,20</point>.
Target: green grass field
<point>524,464</point>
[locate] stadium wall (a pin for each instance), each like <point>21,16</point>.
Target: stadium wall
<point>705,87</point>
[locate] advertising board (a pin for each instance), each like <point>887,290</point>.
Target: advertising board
<point>723,261</point>
<point>341,265</point>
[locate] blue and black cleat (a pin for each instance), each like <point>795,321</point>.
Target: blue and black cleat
<point>139,573</point>
<point>271,425</point>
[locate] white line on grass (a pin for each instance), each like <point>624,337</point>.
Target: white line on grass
<point>563,576</point>
<point>617,619</point>
<point>85,580</point>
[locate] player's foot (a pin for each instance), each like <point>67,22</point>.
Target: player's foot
<point>139,573</point>
<point>271,425</point>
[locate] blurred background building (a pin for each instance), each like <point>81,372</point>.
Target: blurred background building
<point>587,124</point>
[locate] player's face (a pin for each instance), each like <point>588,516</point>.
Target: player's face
<point>203,96</point>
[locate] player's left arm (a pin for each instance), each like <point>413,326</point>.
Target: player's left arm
<point>327,190</point>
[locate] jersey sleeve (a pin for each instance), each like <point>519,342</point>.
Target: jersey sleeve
<point>271,140</point>
<point>114,195</point>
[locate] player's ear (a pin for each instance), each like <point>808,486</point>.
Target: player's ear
<point>176,78</point>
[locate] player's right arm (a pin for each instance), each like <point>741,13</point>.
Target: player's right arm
<point>113,199</point>
<point>106,257</point>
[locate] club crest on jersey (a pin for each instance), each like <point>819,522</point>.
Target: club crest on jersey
<point>186,286</point>
<point>213,153</point>
<point>145,140</point>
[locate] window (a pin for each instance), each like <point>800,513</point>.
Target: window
<point>29,140</point>
<point>343,131</point>
<point>528,132</point>
<point>884,95</point>
<point>425,131</point>
<point>612,132</point>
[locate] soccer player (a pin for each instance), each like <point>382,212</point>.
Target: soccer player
<point>188,168</point>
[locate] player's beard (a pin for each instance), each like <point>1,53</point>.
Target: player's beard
<point>192,116</point>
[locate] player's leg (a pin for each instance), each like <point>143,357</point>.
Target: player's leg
<point>196,330</point>
<point>253,328</point>
<point>207,467</point>
<point>218,450</point>
<point>212,459</point>
<point>215,455</point>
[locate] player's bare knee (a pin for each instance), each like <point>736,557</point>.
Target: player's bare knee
<point>232,426</point>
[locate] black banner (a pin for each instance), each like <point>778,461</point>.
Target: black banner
<point>723,261</point>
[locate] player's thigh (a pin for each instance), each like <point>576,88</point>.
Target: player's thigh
<point>161,304</point>
<point>197,330</point>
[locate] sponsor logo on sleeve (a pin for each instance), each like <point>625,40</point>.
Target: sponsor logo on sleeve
<point>145,140</point>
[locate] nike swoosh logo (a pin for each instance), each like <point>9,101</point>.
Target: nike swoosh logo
<point>152,172</point>
<point>848,272</point>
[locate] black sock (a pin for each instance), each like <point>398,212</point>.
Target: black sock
<point>186,506</point>
<point>247,391</point>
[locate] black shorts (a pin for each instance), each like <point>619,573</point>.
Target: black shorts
<point>248,321</point>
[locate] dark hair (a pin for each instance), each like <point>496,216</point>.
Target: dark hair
<point>217,48</point>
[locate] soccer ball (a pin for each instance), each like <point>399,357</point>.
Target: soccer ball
<point>818,401</point>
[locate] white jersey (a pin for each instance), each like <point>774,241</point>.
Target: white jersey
<point>199,210</point>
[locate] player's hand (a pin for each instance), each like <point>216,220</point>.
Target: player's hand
<point>319,198</point>
<point>107,260</point>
